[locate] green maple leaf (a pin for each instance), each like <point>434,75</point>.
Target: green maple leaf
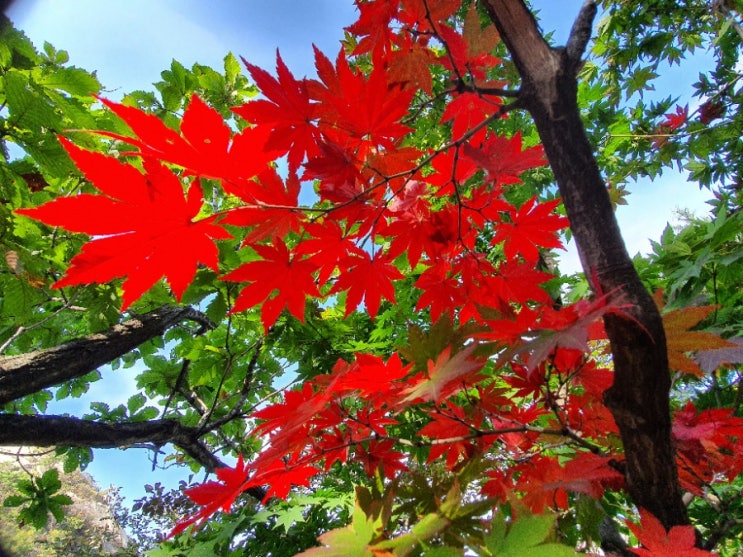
<point>524,538</point>
<point>350,541</point>
<point>289,517</point>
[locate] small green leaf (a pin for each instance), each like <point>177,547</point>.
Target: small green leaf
<point>231,67</point>
<point>49,481</point>
<point>350,541</point>
<point>34,514</point>
<point>57,512</point>
<point>136,402</point>
<point>148,413</point>
<point>286,518</point>
<point>61,499</point>
<point>74,81</point>
<point>14,501</point>
<point>524,538</point>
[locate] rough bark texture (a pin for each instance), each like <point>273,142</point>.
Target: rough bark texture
<point>28,373</point>
<point>65,431</point>
<point>639,397</point>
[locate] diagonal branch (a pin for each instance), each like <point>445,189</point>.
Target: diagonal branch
<point>580,34</point>
<point>65,431</point>
<point>51,431</point>
<point>28,373</point>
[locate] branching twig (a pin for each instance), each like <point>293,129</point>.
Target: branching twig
<point>580,34</point>
<point>28,373</point>
<point>20,330</point>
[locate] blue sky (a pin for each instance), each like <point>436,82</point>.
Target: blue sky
<point>129,42</point>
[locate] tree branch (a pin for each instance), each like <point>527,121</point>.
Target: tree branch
<point>580,34</point>
<point>65,431</point>
<point>28,373</point>
<point>52,431</point>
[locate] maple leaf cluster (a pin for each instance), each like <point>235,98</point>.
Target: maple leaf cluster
<point>344,133</point>
<point>668,127</point>
<point>386,210</point>
<point>351,416</point>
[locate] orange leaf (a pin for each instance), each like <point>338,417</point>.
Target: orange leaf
<point>681,339</point>
<point>479,40</point>
<point>443,372</point>
<point>411,68</point>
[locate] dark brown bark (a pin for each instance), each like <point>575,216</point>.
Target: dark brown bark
<point>28,373</point>
<point>639,396</point>
<point>64,431</point>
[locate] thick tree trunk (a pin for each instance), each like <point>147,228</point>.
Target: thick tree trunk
<point>639,396</point>
<point>28,373</point>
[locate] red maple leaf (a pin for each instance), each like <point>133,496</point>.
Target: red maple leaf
<point>368,279</point>
<point>546,484</point>
<point>295,402</point>
<point>426,14</point>
<point>271,209</point>
<point>587,473</point>
<point>530,477</point>
<point>517,282</point>
<point>409,66</point>
<point>334,447</point>
<point>676,119</point>
<point>373,378</point>
<point>287,111</point>
<point>533,225</point>
<point>527,382</point>
<point>279,476</point>
<point>293,424</point>
<point>464,62</point>
<point>368,421</point>
<point>504,158</point>
<point>373,25</point>
<point>707,444</point>
<point>204,147</point>
<point>447,373</point>
<point>440,234</point>
<point>466,111</point>
<point>677,542</point>
<point>451,170</point>
<point>326,247</point>
<point>380,455</point>
<point>442,292</point>
<point>450,434</point>
<point>587,413</point>
<point>337,170</point>
<point>214,496</point>
<point>138,221</point>
<point>567,327</point>
<point>360,108</point>
<point>393,168</point>
<point>279,280</point>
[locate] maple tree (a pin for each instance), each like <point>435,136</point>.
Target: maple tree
<point>382,234</point>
